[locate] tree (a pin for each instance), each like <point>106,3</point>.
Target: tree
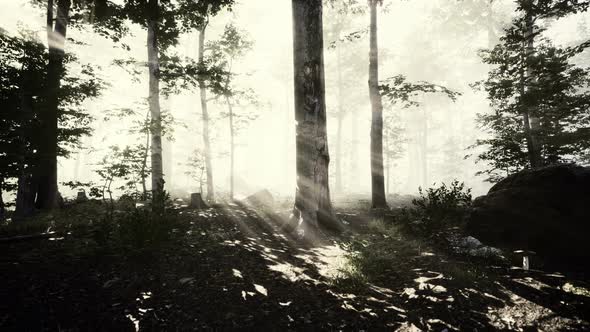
<point>23,63</point>
<point>164,21</point>
<point>197,168</point>
<point>59,15</point>
<point>312,198</point>
<point>402,93</point>
<point>540,98</point>
<point>205,118</point>
<point>232,45</point>
<point>377,176</point>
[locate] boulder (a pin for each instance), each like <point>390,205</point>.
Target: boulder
<point>262,198</point>
<point>546,210</point>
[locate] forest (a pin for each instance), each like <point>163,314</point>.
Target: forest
<point>404,165</point>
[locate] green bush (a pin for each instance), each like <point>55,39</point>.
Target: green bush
<point>437,208</point>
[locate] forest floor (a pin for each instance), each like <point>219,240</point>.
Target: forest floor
<point>233,268</point>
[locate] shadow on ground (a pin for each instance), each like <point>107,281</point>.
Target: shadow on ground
<point>235,269</point>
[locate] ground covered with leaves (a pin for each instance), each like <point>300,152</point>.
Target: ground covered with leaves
<point>233,267</point>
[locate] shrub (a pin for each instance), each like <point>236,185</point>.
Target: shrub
<point>437,208</point>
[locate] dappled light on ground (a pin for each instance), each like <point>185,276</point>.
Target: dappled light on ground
<point>237,267</point>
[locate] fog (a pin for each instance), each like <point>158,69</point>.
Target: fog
<point>434,41</point>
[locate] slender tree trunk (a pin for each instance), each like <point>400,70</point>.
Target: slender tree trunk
<point>424,149</point>
<point>377,178</point>
<point>531,122</point>
<point>154,97</point>
<point>387,163</point>
<point>2,208</point>
<point>312,198</point>
<point>47,197</point>
<point>491,32</point>
<point>232,147</point>
<point>339,126</point>
<point>354,178</point>
<point>146,151</point>
<point>205,118</point>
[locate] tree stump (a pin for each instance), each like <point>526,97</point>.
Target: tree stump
<point>197,201</point>
<point>81,196</point>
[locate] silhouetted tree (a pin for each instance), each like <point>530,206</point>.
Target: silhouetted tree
<point>540,98</point>
<point>312,199</point>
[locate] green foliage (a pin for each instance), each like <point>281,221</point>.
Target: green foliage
<point>127,168</point>
<point>437,209</point>
<point>197,167</point>
<point>401,92</point>
<point>531,77</point>
<point>23,96</point>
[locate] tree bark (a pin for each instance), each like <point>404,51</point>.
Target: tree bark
<point>47,197</point>
<point>154,96</point>
<point>531,122</point>
<point>377,178</point>
<point>205,118</point>
<point>312,197</point>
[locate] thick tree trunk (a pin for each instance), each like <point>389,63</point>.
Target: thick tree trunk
<point>26,185</point>
<point>205,118</point>
<point>531,122</point>
<point>377,178</point>
<point>47,197</point>
<point>154,97</point>
<point>312,198</point>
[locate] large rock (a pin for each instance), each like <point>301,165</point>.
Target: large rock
<point>545,210</point>
<point>262,199</point>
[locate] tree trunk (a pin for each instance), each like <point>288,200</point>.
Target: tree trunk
<point>146,151</point>
<point>339,127</point>
<point>491,31</point>
<point>2,208</point>
<point>26,186</point>
<point>154,97</point>
<point>205,117</point>
<point>387,163</point>
<point>531,122</point>
<point>232,147</point>
<point>377,178</point>
<point>312,197</point>
<point>354,178</point>
<point>424,149</point>
<point>25,196</point>
<point>47,197</point>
